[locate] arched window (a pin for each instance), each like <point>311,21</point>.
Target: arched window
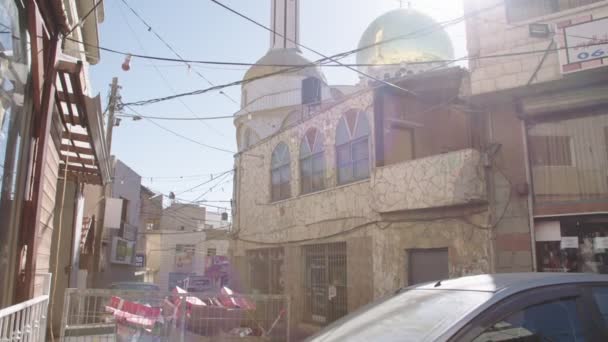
<point>312,162</point>
<point>352,147</point>
<point>280,173</point>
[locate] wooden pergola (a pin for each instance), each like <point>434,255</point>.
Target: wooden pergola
<point>83,153</point>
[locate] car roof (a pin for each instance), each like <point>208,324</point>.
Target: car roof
<point>514,282</point>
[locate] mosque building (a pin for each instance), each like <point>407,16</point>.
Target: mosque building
<point>344,194</point>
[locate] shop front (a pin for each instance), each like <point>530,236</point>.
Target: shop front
<point>572,244</point>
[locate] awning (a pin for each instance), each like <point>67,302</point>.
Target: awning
<point>83,140</point>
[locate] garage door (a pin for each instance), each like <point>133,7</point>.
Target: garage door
<point>427,265</point>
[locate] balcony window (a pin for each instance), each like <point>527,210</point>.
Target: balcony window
<point>280,173</point>
<point>569,160</point>
<point>520,10</point>
<point>352,147</point>
<point>312,162</point>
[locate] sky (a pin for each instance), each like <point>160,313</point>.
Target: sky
<point>202,30</point>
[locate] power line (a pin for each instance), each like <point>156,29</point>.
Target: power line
<point>176,118</point>
<point>335,60</point>
<point>245,64</point>
<point>81,21</point>
<point>203,194</point>
<point>162,76</point>
<point>150,29</point>
<point>183,136</point>
<point>204,183</point>
<point>465,58</point>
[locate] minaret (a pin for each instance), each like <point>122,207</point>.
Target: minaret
<point>285,18</point>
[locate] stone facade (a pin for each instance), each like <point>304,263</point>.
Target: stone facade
<point>450,200</point>
<point>454,178</point>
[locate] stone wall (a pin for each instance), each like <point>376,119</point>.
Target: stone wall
<point>449,179</point>
<point>490,33</point>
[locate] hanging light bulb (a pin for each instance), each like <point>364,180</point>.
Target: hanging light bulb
<point>126,65</point>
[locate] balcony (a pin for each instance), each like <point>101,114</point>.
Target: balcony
<point>444,180</point>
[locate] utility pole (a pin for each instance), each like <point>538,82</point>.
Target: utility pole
<point>111,111</point>
<point>106,191</point>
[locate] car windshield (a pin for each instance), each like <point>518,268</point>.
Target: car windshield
<point>414,315</point>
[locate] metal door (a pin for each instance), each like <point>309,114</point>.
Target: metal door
<point>426,265</point>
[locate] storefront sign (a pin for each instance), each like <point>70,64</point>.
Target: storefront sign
<point>547,231</point>
<point>198,283</point>
<point>600,242</point>
<point>584,44</point>
<point>177,279</point>
<point>569,242</point>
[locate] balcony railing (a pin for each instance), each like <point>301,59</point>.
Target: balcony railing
<point>26,321</point>
<point>450,179</point>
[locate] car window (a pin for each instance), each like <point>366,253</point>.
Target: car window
<point>552,321</point>
<point>600,296</point>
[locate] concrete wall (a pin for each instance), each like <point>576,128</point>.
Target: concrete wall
<point>513,249</point>
<point>490,33</point>
<point>127,185</point>
<point>163,257</point>
<point>180,216</point>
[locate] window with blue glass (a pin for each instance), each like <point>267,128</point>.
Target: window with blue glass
<point>352,147</point>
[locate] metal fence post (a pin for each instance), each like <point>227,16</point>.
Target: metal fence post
<point>183,318</point>
<point>65,314</point>
<point>287,317</point>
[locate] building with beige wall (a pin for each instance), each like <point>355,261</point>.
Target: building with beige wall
<point>543,68</point>
<point>379,186</point>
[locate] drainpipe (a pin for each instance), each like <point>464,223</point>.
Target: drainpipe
<point>491,196</point>
<point>530,194</point>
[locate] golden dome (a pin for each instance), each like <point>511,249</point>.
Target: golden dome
<point>286,57</point>
<point>433,44</point>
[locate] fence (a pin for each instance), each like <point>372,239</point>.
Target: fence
<point>26,321</point>
<point>120,315</point>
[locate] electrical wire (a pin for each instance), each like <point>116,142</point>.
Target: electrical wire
<point>465,58</point>
<point>81,21</point>
<point>176,118</point>
<point>164,78</point>
<point>333,59</point>
<point>203,183</point>
<point>150,29</point>
<point>182,136</point>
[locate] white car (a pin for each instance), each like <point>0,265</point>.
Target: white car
<point>501,307</point>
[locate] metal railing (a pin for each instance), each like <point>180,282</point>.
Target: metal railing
<point>26,321</point>
<point>117,315</point>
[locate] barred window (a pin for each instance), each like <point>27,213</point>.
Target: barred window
<point>312,162</point>
<point>352,147</point>
<point>280,173</point>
